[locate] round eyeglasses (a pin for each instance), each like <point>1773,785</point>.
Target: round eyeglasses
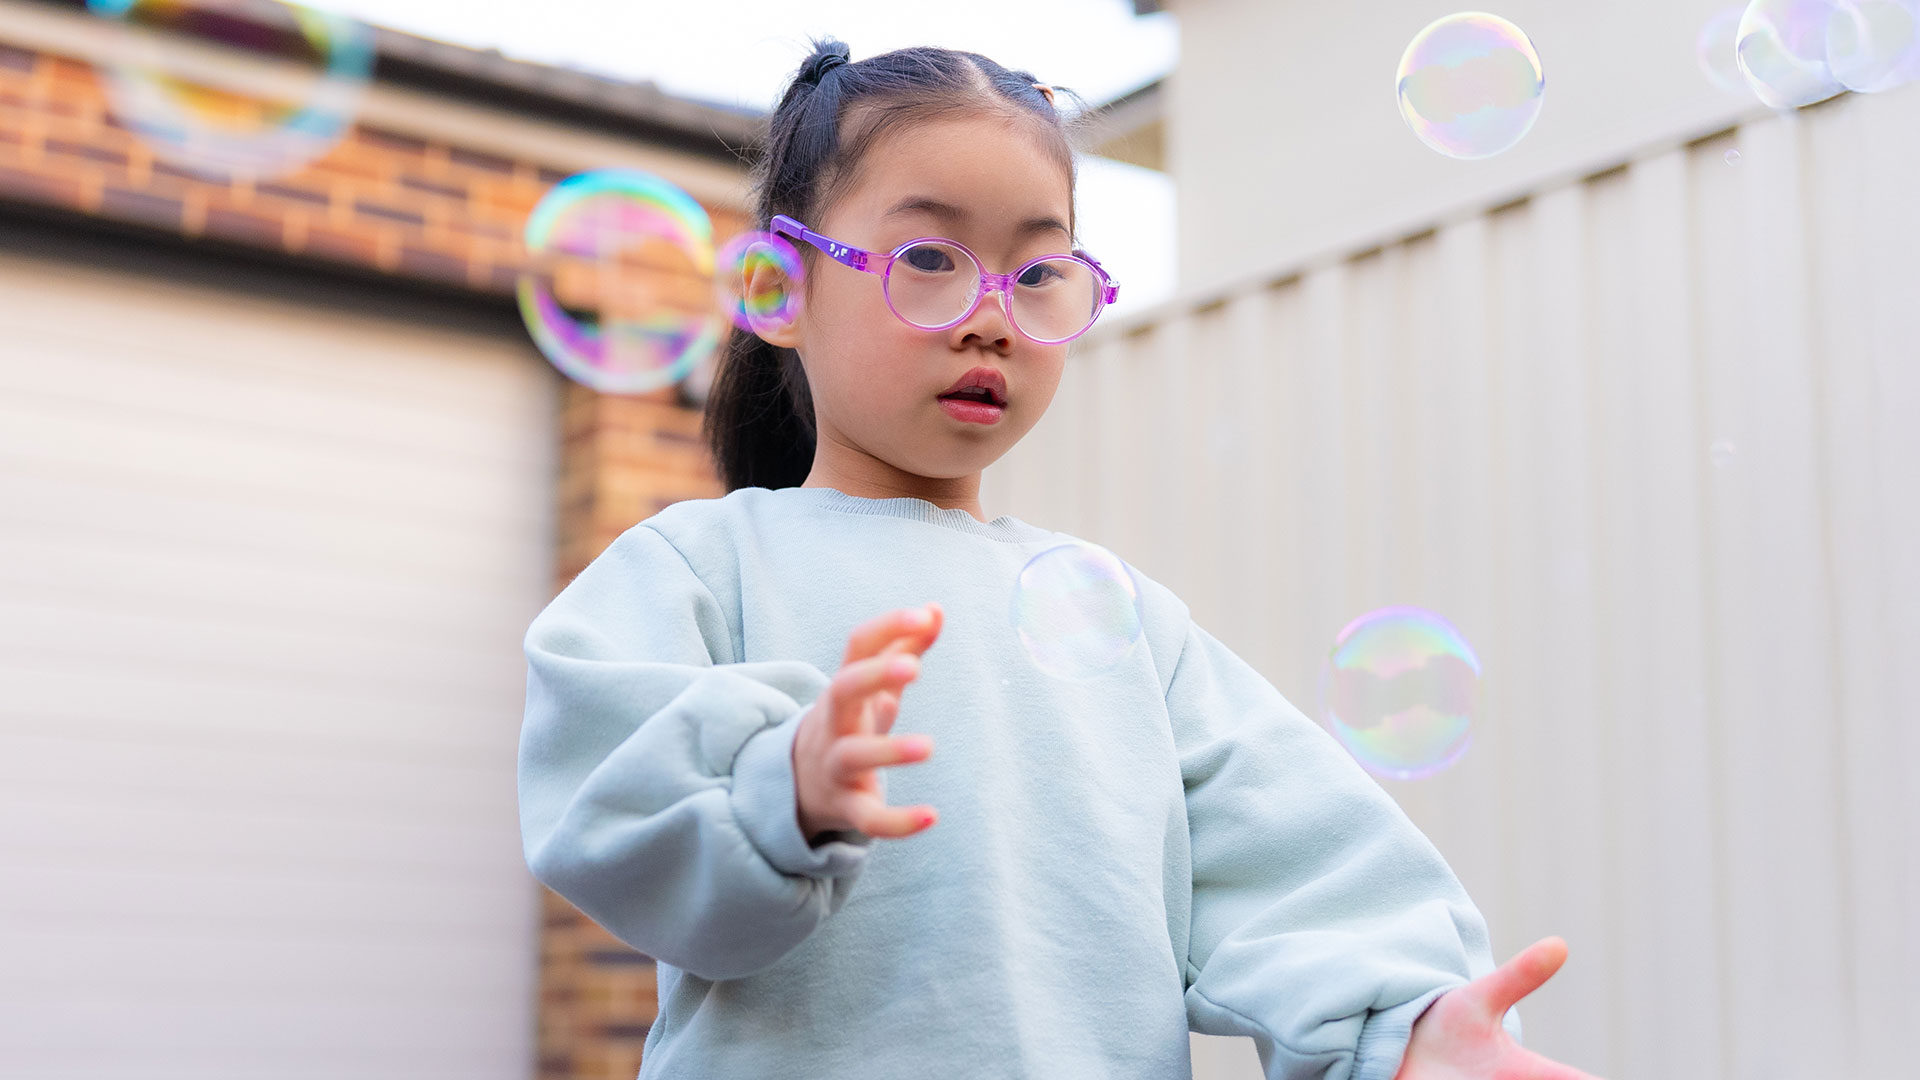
<point>934,283</point>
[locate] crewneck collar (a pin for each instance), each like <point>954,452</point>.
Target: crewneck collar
<point>912,508</point>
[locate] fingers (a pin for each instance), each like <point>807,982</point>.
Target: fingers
<point>883,656</point>
<point>912,629</point>
<point>886,709</point>
<point>850,762</point>
<point>855,754</point>
<point>848,692</point>
<point>1498,990</point>
<point>875,818</point>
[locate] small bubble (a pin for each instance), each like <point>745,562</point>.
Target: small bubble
<point>1399,690</point>
<point>1733,157</point>
<point>1471,85</point>
<point>757,280</point>
<point>1076,610</point>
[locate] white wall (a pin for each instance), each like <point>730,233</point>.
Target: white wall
<point>1696,758</point>
<point>1286,141</point>
<point>1124,216</point>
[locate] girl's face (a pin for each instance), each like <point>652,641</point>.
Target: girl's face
<point>991,184</point>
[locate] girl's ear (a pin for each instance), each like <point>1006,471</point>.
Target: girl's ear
<point>772,302</point>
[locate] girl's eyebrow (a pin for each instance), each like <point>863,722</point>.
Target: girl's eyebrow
<point>951,213</point>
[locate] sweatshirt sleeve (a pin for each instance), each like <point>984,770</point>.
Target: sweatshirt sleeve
<point>656,775</point>
<point>1322,921</point>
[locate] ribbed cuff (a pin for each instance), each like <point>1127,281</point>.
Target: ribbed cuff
<point>765,803</point>
<point>1383,1038</point>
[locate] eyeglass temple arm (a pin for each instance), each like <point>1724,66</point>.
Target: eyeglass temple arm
<point>1111,288</point>
<point>782,225</point>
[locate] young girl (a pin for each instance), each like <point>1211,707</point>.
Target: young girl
<point>1169,846</point>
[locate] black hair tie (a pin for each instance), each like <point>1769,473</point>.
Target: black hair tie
<point>822,63</point>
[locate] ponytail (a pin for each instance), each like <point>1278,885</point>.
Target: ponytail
<point>759,415</point>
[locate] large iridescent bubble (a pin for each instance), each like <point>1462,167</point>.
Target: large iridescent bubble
<point>251,121</point>
<point>1399,690</point>
<point>649,334</point>
<point>1874,45</point>
<point>1076,610</point>
<point>1782,49</point>
<point>1471,85</point>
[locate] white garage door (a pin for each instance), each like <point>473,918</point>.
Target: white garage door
<point>267,550</point>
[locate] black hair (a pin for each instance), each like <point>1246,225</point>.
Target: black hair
<point>759,418</point>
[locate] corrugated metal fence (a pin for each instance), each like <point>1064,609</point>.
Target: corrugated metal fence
<point>1652,441</point>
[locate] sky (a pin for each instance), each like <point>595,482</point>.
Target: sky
<point>741,52</point>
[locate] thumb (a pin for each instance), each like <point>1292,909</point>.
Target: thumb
<point>1501,988</point>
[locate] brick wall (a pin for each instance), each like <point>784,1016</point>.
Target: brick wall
<point>415,208</point>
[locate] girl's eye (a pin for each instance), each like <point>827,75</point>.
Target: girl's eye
<point>928,258</point>
<point>1040,274</point>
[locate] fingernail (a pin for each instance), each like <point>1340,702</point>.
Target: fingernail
<point>926,818</point>
<point>920,617</point>
<point>903,666</point>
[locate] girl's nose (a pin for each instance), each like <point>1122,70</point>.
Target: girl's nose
<point>988,325</point>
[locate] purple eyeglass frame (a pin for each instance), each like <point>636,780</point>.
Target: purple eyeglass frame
<point>863,260</point>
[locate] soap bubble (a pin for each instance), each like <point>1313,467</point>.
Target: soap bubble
<point>1782,48</point>
<point>1733,157</point>
<point>1874,45</point>
<point>1471,85</point>
<point>752,297</point>
<point>1399,690</point>
<point>1714,51</point>
<point>252,121</point>
<point>635,248</point>
<point>1076,609</point>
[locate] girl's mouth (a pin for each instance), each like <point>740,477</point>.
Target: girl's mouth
<point>971,411</point>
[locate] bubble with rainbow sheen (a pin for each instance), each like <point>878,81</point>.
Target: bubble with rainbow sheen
<point>591,220</point>
<point>1399,690</point>
<point>1471,85</point>
<point>1782,49</point>
<point>1874,45</point>
<point>758,278</point>
<point>1713,50</point>
<point>1076,610</point>
<point>235,122</point>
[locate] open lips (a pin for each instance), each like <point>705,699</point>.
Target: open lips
<point>982,384</point>
<point>977,393</point>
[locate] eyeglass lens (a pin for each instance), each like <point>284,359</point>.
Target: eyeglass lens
<point>933,284</point>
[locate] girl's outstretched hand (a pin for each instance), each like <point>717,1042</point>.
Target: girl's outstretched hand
<point>843,735</point>
<point>1459,1036</point>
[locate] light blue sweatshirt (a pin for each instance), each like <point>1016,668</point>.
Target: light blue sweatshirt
<point>1169,846</point>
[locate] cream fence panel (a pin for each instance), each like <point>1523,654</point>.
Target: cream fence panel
<point>1651,440</point>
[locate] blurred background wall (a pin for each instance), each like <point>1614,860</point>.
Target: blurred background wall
<point>1632,405</point>
<point>282,481</point>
